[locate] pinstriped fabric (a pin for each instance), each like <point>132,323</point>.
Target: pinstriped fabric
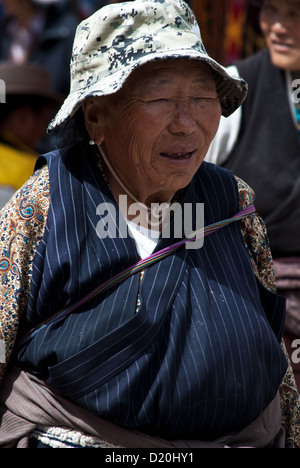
<point>199,359</point>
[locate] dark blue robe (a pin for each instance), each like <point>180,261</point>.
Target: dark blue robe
<point>201,358</point>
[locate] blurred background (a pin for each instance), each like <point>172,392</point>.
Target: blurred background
<point>229,27</point>
<point>41,33</point>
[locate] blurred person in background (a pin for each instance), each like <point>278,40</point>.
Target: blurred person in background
<point>260,143</point>
<point>29,106</point>
<point>40,31</point>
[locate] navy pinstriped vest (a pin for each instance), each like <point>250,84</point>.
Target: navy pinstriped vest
<point>199,360</point>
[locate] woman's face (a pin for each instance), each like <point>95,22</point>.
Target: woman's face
<point>157,129</point>
<point>280,24</point>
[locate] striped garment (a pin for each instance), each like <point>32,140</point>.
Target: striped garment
<point>197,360</point>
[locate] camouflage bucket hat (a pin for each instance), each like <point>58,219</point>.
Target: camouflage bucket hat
<point>118,38</point>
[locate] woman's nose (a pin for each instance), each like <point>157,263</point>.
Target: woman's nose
<point>183,120</point>
<point>279,25</point>
<point>278,28</point>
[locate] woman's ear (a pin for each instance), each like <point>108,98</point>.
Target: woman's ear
<point>93,115</point>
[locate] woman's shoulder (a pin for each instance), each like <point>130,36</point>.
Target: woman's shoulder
<point>214,170</point>
<point>22,226</point>
<point>218,176</point>
<point>30,203</point>
<point>256,239</point>
<point>37,186</point>
<point>246,193</point>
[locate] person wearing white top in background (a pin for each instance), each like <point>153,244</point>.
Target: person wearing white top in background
<point>260,143</point>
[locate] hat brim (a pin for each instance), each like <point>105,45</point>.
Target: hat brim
<point>232,90</point>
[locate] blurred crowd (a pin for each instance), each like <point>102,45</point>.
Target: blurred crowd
<point>36,38</point>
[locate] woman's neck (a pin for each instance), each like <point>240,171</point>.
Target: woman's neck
<point>148,207</point>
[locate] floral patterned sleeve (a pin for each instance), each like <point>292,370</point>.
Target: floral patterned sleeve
<point>22,223</point>
<point>256,240</point>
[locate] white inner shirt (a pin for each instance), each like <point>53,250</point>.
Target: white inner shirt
<point>146,239</point>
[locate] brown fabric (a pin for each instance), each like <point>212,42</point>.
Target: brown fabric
<point>26,403</point>
<point>287,272</point>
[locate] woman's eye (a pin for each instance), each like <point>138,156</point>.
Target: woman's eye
<point>206,100</point>
<point>210,97</point>
<point>159,100</point>
<point>151,100</point>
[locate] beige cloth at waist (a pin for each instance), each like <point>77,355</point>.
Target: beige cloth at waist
<point>26,403</point>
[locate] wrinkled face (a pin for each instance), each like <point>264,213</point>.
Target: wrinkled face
<point>280,24</point>
<point>157,129</point>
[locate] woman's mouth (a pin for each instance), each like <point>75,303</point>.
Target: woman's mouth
<point>178,156</point>
<point>282,47</point>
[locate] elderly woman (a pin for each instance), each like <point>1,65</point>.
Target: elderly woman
<point>134,330</point>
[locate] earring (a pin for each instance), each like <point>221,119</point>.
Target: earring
<point>92,142</point>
